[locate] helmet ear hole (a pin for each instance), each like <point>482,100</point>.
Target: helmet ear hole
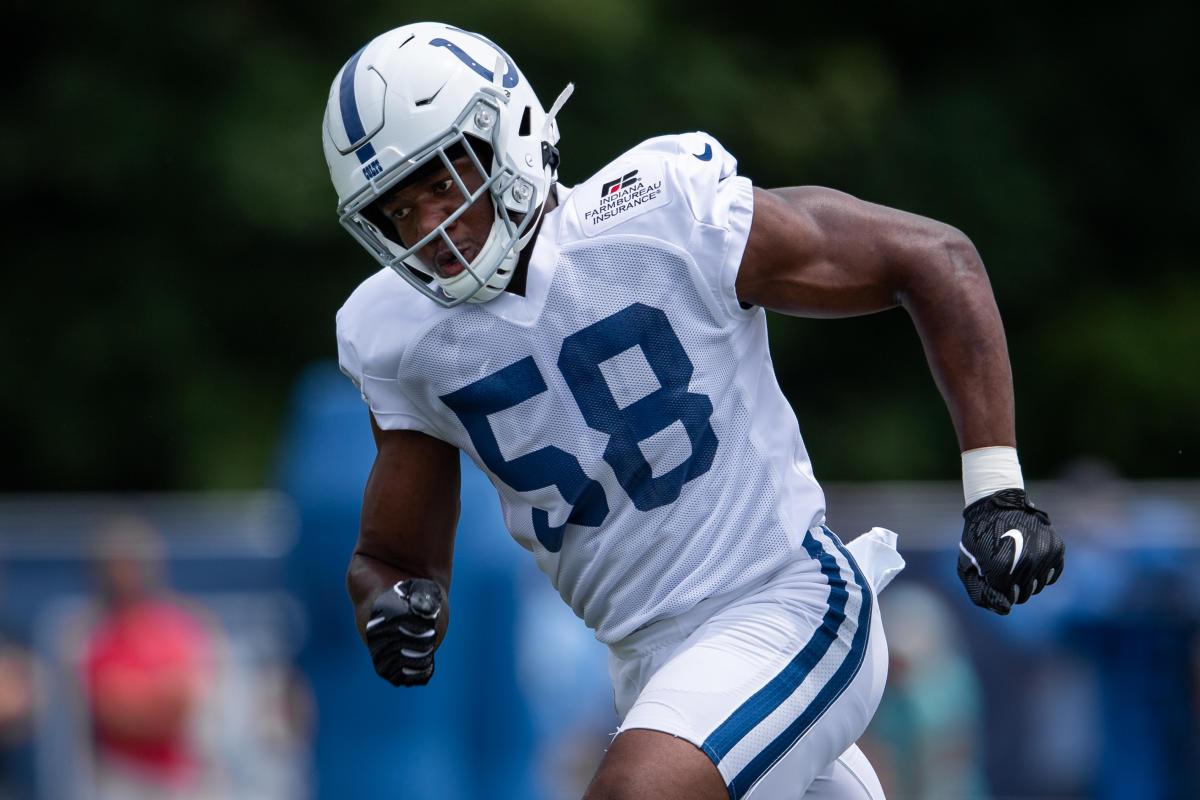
<point>526,124</point>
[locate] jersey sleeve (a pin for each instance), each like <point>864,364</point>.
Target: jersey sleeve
<point>722,204</point>
<point>683,190</point>
<point>371,336</point>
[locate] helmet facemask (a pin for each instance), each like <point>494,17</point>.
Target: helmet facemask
<point>512,198</point>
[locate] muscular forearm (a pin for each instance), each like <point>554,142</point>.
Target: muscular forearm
<point>409,515</point>
<point>951,304</point>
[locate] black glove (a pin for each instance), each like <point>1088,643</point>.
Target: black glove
<point>1009,550</point>
<point>401,631</point>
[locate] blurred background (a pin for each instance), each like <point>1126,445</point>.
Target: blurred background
<point>184,462</point>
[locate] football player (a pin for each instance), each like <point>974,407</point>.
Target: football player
<point>600,351</point>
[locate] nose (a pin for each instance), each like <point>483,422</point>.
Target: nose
<point>432,211</point>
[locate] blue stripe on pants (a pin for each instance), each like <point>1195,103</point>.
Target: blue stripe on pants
<point>765,701</point>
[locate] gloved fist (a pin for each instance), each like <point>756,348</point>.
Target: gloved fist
<point>401,631</point>
<point>1009,551</point>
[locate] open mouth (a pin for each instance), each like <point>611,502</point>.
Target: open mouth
<point>447,266</point>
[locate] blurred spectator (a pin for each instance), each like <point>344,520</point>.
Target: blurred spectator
<point>16,717</point>
<point>924,740</point>
<point>147,666</point>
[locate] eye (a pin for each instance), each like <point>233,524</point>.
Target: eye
<point>443,185</point>
<point>399,213</point>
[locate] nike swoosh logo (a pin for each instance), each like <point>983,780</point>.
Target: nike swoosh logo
<point>706,155</point>
<point>1019,542</point>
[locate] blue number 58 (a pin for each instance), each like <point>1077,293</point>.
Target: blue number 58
<point>579,360</point>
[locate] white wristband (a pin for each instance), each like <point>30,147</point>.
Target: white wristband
<point>987,470</point>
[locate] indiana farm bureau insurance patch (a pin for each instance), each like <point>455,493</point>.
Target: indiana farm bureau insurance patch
<point>620,194</point>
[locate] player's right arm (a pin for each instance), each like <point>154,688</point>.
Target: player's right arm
<point>399,574</point>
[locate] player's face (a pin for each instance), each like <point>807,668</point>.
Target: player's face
<point>418,207</point>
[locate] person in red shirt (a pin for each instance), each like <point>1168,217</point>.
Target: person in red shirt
<point>147,665</point>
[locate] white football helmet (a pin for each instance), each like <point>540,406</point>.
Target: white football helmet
<point>404,100</point>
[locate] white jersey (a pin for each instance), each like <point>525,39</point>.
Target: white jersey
<point>626,408</point>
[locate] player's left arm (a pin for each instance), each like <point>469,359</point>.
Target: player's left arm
<point>399,573</point>
<point>821,253</point>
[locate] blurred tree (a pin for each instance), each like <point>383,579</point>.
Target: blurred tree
<point>173,260</point>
